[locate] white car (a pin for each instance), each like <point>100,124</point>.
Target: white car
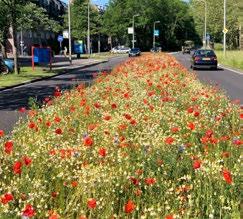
<point>120,50</point>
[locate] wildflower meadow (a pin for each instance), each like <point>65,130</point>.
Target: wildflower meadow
<point>147,140</point>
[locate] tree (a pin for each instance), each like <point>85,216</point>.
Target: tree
<point>17,15</point>
<point>215,23</point>
<point>176,24</point>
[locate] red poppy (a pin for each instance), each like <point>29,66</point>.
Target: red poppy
<point>196,114</point>
<point>170,216</point>
<point>1,133</point>
<point>150,181</point>
<point>190,110</point>
<point>97,105</point>
<point>48,123</point>
<point>134,181</point>
<point>227,176</point>
<point>27,160</point>
<point>169,140</point>
<point>175,129</point>
<point>133,122</point>
<point>209,133</point>
<point>82,217</point>
<point>196,164</point>
<point>102,152</point>
<point>74,183</point>
<point>22,109</point>
<point>225,154</point>
<point>6,198</point>
<point>57,119</point>
<point>191,125</point>
<point>91,203</point>
<point>54,194</point>
<point>58,131</point>
<point>88,141</point>
<point>17,167</point>
<point>28,211</point>
<point>8,147</point>
<point>126,95</point>
<point>129,207</point>
<point>54,216</point>
<point>107,117</point>
<point>241,116</point>
<point>127,116</point>
<point>113,106</point>
<point>31,125</point>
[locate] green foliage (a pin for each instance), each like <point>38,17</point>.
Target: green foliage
<point>79,19</point>
<point>176,24</point>
<point>32,17</point>
<point>215,15</point>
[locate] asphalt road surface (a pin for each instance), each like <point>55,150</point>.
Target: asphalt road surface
<point>229,81</point>
<point>12,100</point>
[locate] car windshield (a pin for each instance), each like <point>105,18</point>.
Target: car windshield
<point>135,50</point>
<point>205,53</point>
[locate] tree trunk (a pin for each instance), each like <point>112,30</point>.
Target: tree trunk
<point>13,30</point>
<point>3,49</point>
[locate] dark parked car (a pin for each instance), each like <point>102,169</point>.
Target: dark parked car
<point>134,52</point>
<point>156,49</point>
<point>204,58</point>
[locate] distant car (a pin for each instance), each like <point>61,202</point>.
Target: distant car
<point>187,47</point>
<point>156,49</point>
<point>120,50</point>
<point>204,58</point>
<point>134,52</point>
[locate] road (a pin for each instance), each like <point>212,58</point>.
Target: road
<point>12,100</point>
<point>229,81</point>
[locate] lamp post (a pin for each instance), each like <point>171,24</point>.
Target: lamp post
<point>133,36</point>
<point>156,22</point>
<point>69,32</point>
<point>205,22</point>
<point>225,28</point>
<point>88,33</point>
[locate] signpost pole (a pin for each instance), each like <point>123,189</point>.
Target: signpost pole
<point>69,32</point>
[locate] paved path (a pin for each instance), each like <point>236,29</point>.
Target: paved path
<point>13,99</point>
<point>230,81</point>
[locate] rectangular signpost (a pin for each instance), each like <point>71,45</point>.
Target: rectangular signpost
<point>156,33</point>
<point>41,55</point>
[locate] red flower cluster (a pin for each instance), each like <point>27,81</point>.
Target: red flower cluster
<point>6,198</point>
<point>91,203</point>
<point>88,141</point>
<point>129,207</point>
<point>8,147</point>
<point>28,211</point>
<point>227,176</point>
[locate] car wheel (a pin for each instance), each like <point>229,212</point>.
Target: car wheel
<point>4,70</point>
<point>194,68</point>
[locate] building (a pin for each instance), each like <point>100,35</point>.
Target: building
<point>26,39</point>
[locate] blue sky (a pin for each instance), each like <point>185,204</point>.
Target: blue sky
<point>98,2</point>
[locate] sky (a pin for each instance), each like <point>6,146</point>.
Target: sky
<point>97,2</point>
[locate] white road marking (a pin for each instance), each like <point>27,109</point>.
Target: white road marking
<point>237,72</point>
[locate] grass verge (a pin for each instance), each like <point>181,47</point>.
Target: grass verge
<point>233,59</point>
<point>26,74</point>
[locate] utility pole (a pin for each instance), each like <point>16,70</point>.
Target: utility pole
<point>88,33</point>
<point>224,28</point>
<point>156,22</point>
<point>133,27</point>
<point>205,28</point>
<point>69,32</point>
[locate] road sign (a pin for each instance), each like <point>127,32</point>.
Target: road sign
<point>130,30</point>
<point>60,38</point>
<point>156,32</point>
<point>65,34</point>
<point>225,30</point>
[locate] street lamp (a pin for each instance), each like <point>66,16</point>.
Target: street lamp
<point>69,32</point>
<point>156,22</point>
<point>225,28</point>
<point>88,34</point>
<point>133,36</point>
<point>205,22</point>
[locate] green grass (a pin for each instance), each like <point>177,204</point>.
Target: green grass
<point>233,59</point>
<point>103,55</point>
<point>26,74</point>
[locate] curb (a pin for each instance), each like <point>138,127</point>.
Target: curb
<point>48,77</point>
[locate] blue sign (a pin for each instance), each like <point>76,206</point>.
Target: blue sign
<point>42,55</point>
<point>60,38</point>
<point>78,47</point>
<point>156,32</point>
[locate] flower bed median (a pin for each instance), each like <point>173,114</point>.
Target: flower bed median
<point>146,141</point>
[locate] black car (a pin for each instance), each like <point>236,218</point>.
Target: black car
<point>134,52</point>
<point>204,58</point>
<point>156,49</point>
